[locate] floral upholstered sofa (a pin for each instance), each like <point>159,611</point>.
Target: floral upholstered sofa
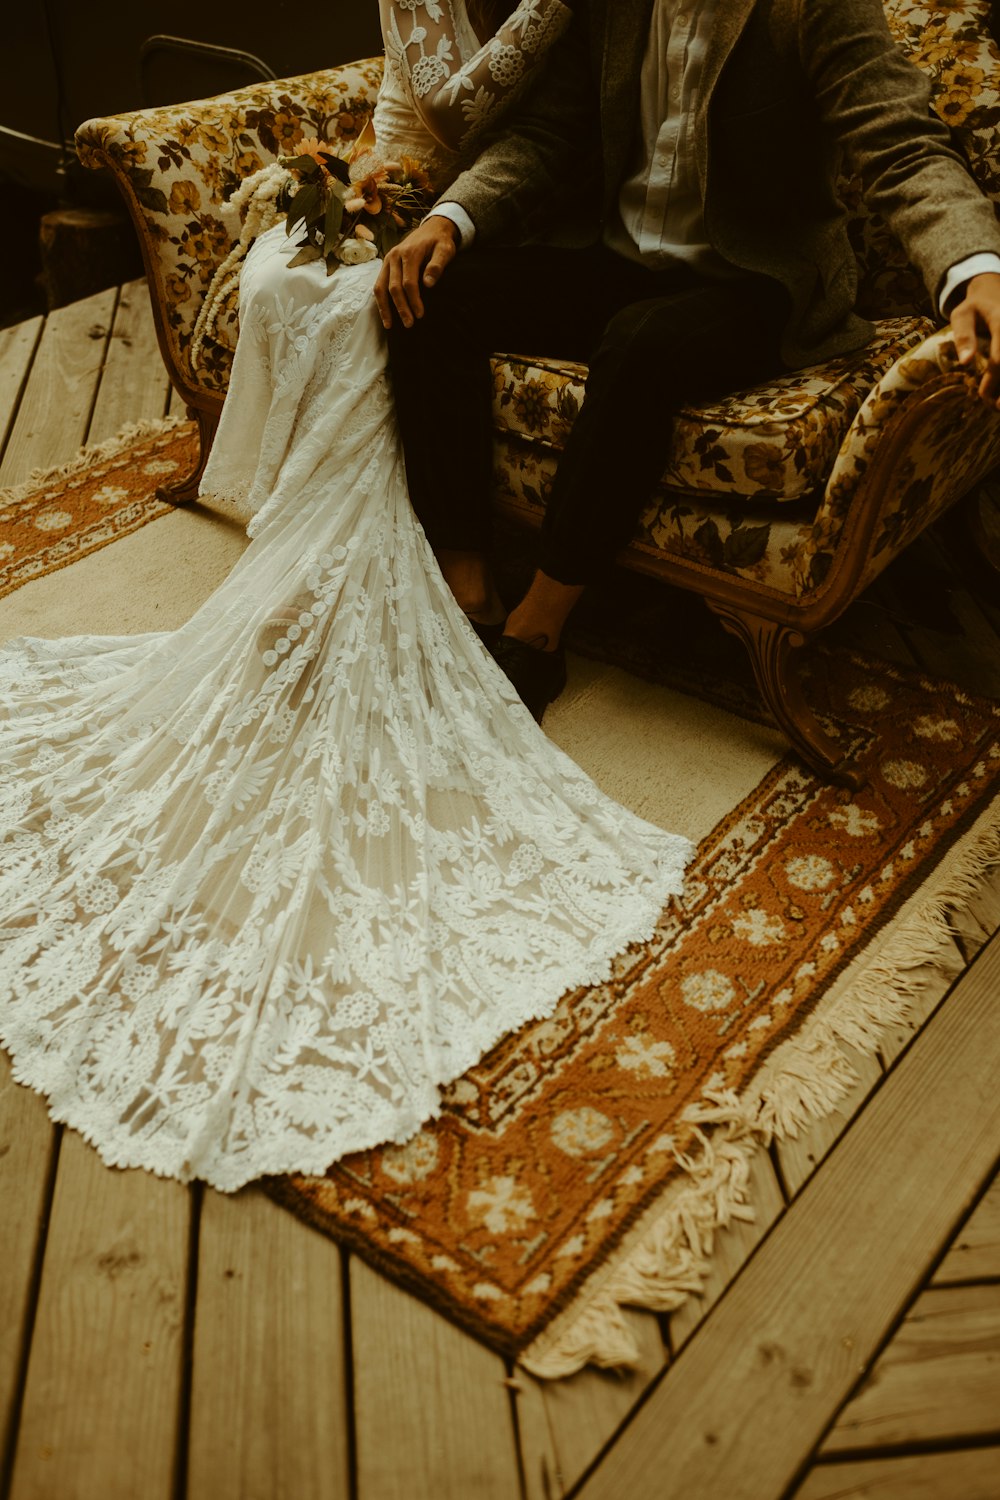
<point>779,504</point>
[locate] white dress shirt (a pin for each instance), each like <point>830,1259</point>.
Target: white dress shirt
<point>659,219</point>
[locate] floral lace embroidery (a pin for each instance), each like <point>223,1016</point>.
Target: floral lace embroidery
<point>456,85</point>
<point>269,881</point>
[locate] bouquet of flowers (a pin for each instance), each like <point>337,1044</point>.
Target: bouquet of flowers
<point>350,209</point>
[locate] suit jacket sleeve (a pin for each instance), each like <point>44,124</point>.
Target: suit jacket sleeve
<point>877,105</point>
<point>540,143</point>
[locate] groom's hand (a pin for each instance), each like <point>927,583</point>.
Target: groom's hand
<point>416,261</point>
<point>975,319</point>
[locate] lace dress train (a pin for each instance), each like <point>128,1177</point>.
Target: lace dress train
<point>265,889</point>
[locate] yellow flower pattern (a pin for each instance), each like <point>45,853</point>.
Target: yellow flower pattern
<point>182,163</point>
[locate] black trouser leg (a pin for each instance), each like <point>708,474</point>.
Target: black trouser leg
<point>653,340</point>
<point>534,298</point>
<point>702,340</point>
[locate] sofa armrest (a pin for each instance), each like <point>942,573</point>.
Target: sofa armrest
<point>920,442</point>
<point>177,166</point>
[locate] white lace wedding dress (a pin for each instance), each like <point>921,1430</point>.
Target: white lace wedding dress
<point>262,891</point>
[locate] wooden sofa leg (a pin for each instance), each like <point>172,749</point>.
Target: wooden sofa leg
<point>180,491</point>
<point>770,645</point>
<point>985,534</point>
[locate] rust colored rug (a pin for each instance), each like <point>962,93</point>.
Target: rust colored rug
<point>587,1161</point>
<point>58,517</point>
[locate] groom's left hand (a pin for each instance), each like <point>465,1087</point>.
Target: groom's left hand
<point>416,261</point>
<point>975,319</point>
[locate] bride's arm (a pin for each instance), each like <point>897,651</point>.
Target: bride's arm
<point>456,100</point>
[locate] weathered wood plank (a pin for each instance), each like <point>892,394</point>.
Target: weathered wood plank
<point>800,1155</point>
<point>432,1410</point>
<point>930,984</point>
<point>102,1396</point>
<point>269,1409</point>
<point>134,384</point>
<point>968,1474</point>
<point>542,1477</point>
<point>939,1378</point>
<point>975,1250</point>
<point>733,1247</point>
<point>748,1398</point>
<point>55,409</point>
<point>585,1411</point>
<point>17,349</point>
<point>979,917</point>
<point>27,1141</point>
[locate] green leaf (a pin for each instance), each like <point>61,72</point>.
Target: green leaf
<point>746,546</point>
<point>333,220</point>
<point>153,199</point>
<point>306,254</point>
<point>306,166</point>
<point>338,168</point>
<point>388,237</point>
<point>708,538</point>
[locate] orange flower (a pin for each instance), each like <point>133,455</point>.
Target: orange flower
<point>318,150</point>
<point>363,232</point>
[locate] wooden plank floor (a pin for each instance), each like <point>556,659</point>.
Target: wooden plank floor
<point>163,1341</point>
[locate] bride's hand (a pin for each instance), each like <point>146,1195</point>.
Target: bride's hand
<point>416,261</point>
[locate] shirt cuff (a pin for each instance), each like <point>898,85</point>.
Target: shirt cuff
<point>963,271</point>
<point>456,213</point>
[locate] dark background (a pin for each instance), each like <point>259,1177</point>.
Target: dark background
<point>62,62</point>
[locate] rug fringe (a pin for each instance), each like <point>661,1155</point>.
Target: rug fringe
<point>669,1256</point>
<point>91,454</point>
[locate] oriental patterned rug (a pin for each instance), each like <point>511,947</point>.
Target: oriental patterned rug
<point>58,517</point>
<point>587,1161</point>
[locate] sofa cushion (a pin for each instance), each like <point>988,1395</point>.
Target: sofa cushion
<point>774,442</point>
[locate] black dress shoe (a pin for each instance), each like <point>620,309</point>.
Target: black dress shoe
<point>488,634</point>
<point>537,676</point>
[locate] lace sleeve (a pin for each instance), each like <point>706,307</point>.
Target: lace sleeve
<point>457,98</point>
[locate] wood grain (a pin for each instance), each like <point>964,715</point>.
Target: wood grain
<point>586,1410</point>
<point>269,1404</point>
<point>930,985</point>
<point>975,1251</point>
<point>432,1410</point>
<point>747,1400</point>
<point>134,383</point>
<point>800,1155</point>
<point>54,414</point>
<point>104,1378</point>
<point>733,1247</point>
<point>939,1378</point>
<point>17,349</point>
<point>27,1142</point>
<point>972,1474</point>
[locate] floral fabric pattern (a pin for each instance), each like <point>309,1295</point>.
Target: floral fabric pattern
<point>790,548</point>
<point>179,165</point>
<point>774,442</point>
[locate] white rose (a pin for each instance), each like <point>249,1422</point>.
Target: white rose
<point>355,252</point>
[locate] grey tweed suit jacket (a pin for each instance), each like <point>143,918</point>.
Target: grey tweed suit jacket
<point>789,85</point>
